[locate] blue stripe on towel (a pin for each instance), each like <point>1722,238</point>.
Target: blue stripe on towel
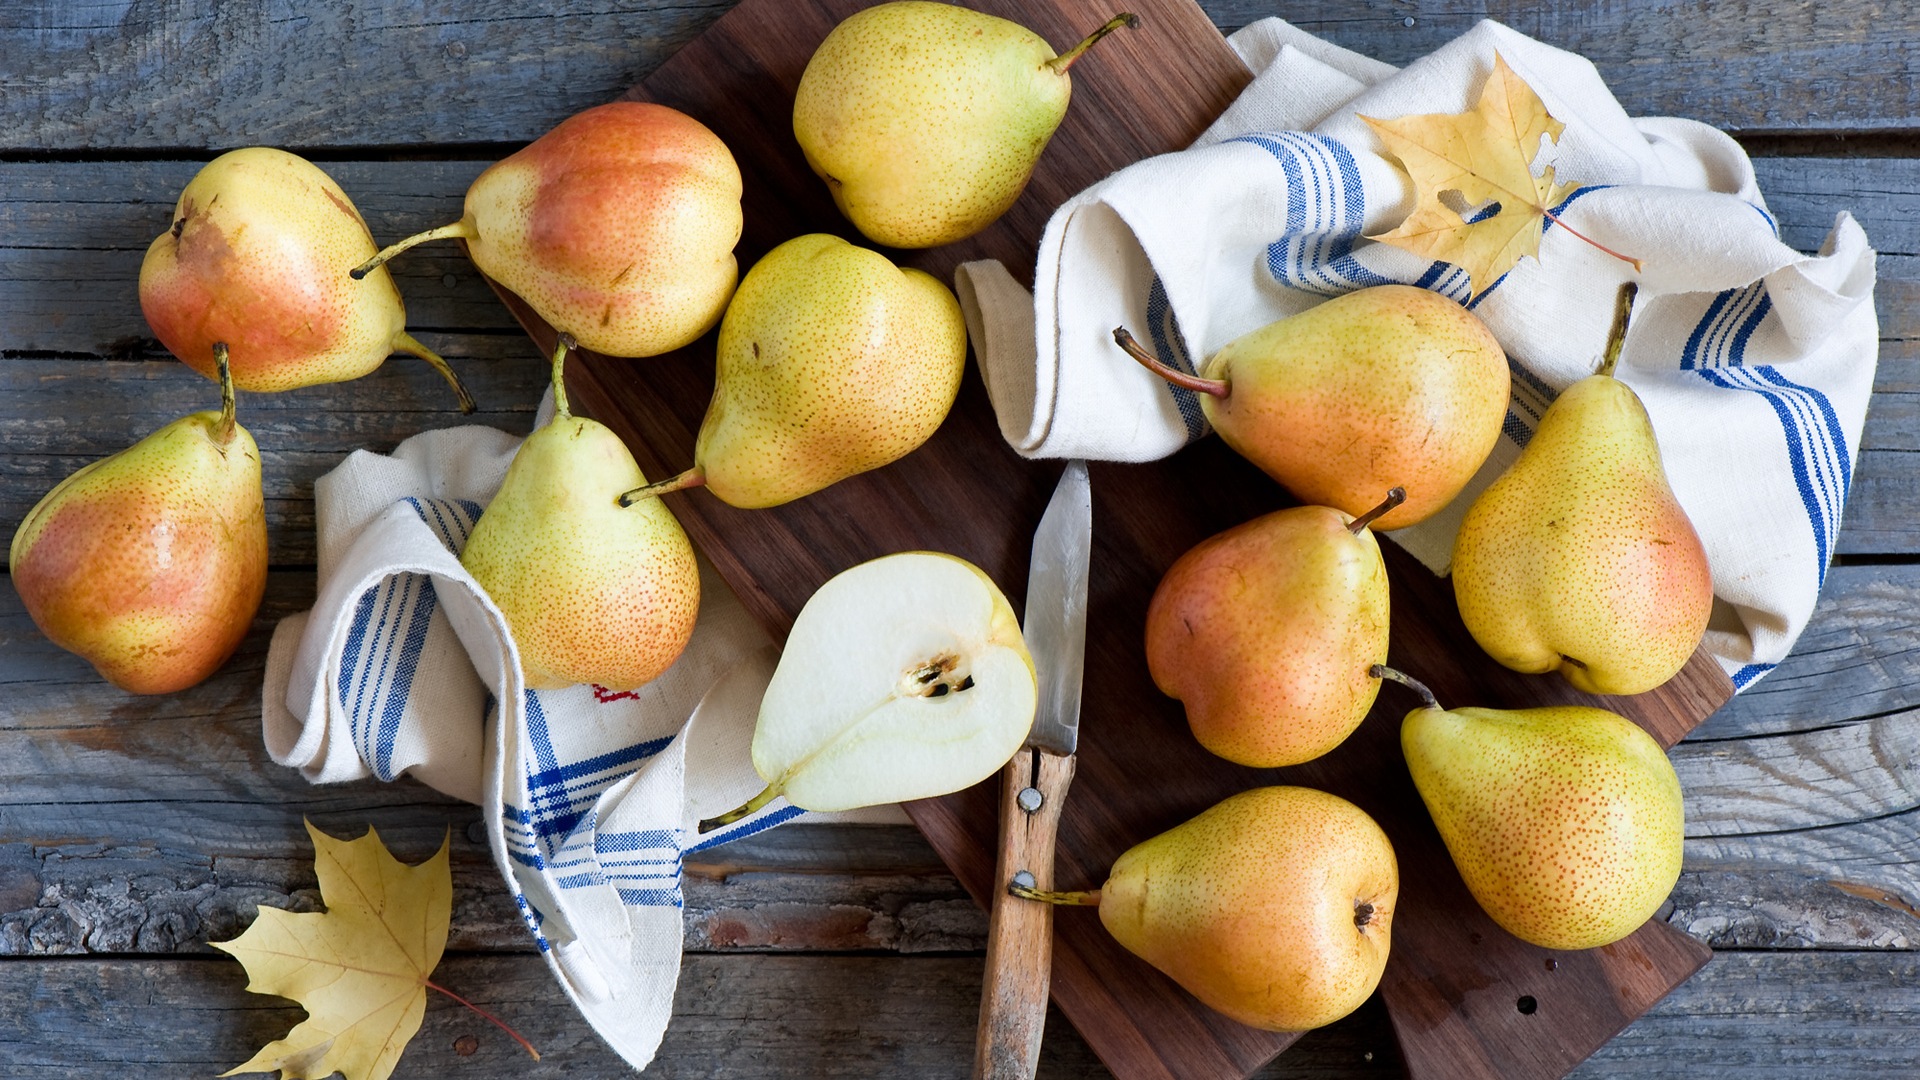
<point>1163,329</point>
<point>1817,452</point>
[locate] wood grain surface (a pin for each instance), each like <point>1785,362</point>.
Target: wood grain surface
<point>134,830</point>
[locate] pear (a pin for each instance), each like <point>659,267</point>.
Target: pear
<point>151,563</point>
<point>1273,907</point>
<point>1579,558</point>
<point>255,259</point>
<point>593,592</point>
<point>1384,386</point>
<point>617,227</point>
<point>1564,821</point>
<point>904,677</point>
<point>1268,633</point>
<point>831,362</point>
<point>926,119</point>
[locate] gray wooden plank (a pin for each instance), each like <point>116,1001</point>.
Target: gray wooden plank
<point>59,414</point>
<point>1859,657</point>
<point>1805,1015</point>
<point>207,75</point>
<point>74,232</point>
<point>1754,67</point>
<point>113,73</point>
<point>68,290</point>
<point>73,235</point>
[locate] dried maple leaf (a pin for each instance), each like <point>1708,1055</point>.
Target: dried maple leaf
<point>360,969</point>
<point>1484,155</point>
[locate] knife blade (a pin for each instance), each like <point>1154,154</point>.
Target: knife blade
<point>1013,996</point>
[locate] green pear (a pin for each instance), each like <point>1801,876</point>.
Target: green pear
<point>151,563</point>
<point>593,592</point>
<point>1268,633</point>
<point>904,677</point>
<point>256,259</point>
<point>1564,821</point>
<point>831,362</point>
<point>926,119</point>
<point>617,227</point>
<point>1579,558</point>
<point>1274,907</point>
<point>1382,387</point>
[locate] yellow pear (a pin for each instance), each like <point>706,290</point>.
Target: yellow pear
<point>594,592</point>
<point>151,563</point>
<point>1274,907</point>
<point>831,362</point>
<point>1382,387</point>
<point>257,259</point>
<point>1579,558</point>
<point>1564,821</point>
<point>926,119</point>
<point>1268,633</point>
<point>617,226</point>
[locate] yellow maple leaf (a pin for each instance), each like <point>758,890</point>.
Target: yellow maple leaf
<point>1485,155</point>
<point>360,969</point>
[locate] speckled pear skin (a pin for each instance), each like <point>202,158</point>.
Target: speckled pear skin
<point>617,226</point>
<point>594,592</point>
<point>1266,632</point>
<point>925,119</point>
<point>1385,386</point>
<point>150,563</point>
<point>831,362</point>
<point>257,256</point>
<point>1579,558</point>
<point>1565,822</point>
<point>1274,907</point>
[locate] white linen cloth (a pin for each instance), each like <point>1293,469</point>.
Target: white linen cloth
<point>591,797</point>
<point>1755,362</point>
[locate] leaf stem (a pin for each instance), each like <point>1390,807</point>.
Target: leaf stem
<point>496,1021</point>
<point>1558,220</point>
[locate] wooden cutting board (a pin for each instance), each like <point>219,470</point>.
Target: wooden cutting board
<point>1466,998</point>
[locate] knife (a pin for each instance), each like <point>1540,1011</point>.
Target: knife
<point>1013,998</point>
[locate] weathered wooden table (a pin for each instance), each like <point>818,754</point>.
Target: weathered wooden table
<point>133,830</point>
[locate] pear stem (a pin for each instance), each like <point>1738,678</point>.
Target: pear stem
<point>462,228</point>
<point>224,433</point>
<point>1059,64</point>
<point>1382,671</point>
<point>1086,898</point>
<point>407,343</point>
<point>560,350</point>
<point>1394,498</point>
<point>1617,336</point>
<point>693,477</point>
<point>749,807</point>
<point>1213,387</point>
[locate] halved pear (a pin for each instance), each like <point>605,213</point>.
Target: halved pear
<point>903,678</point>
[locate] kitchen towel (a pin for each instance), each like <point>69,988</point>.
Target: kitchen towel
<point>1755,361</point>
<point>591,797</point>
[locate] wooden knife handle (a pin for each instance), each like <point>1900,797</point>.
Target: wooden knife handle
<point>1013,997</point>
